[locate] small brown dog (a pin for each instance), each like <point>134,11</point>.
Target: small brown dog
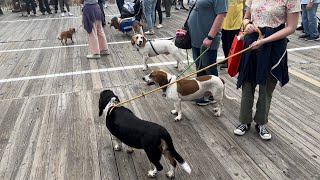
<point>135,25</point>
<point>67,35</point>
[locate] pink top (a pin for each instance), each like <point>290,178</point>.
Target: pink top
<point>272,13</point>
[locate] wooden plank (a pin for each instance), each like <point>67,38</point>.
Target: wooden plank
<point>18,154</point>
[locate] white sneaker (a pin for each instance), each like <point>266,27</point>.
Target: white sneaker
<point>105,52</point>
<point>93,56</point>
<point>149,33</point>
<point>242,129</point>
<point>105,5</point>
<point>62,14</point>
<point>159,26</point>
<point>263,132</point>
<point>70,14</point>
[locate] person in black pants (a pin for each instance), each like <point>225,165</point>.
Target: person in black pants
<point>56,7</point>
<point>33,6</point>
<point>158,9</point>
<point>120,4</point>
<point>1,13</point>
<point>102,11</point>
<point>46,8</point>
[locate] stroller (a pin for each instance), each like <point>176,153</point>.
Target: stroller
<point>132,9</point>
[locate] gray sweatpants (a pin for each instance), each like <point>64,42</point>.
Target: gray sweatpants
<point>167,6</point>
<point>263,103</point>
<point>64,2</point>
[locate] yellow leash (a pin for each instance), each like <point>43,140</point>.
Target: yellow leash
<point>161,87</point>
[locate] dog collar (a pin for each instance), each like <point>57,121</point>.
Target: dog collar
<point>165,88</point>
<point>110,106</point>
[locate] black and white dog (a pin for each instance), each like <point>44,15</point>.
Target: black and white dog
<point>140,134</point>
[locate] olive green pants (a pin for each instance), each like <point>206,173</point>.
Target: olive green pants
<point>263,103</point>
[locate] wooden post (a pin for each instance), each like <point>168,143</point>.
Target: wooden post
<point>16,6</point>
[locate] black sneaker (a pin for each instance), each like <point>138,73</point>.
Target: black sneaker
<point>300,28</point>
<point>203,101</point>
<point>263,132</point>
<point>303,36</point>
<point>312,38</point>
<point>242,129</point>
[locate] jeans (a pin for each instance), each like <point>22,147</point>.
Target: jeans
<point>149,7</point>
<point>309,20</point>
<point>207,59</point>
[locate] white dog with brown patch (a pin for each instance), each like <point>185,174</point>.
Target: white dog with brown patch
<point>151,48</point>
<point>188,90</point>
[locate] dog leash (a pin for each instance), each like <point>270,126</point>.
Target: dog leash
<point>191,74</point>
<point>79,27</point>
<point>199,57</point>
<point>153,47</point>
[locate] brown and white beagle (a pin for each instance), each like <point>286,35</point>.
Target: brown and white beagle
<point>151,48</point>
<point>189,89</point>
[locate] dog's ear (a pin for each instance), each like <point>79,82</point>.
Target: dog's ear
<point>144,41</point>
<point>117,99</point>
<point>159,77</point>
<point>133,39</point>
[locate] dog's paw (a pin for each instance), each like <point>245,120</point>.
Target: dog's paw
<point>130,150</point>
<point>217,112</point>
<point>117,147</point>
<point>170,174</point>
<point>174,112</point>
<point>145,68</point>
<point>181,67</point>
<point>152,174</point>
<point>178,118</point>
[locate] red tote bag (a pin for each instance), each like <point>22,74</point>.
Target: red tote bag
<point>234,62</point>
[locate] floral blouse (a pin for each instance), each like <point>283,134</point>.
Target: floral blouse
<point>271,13</point>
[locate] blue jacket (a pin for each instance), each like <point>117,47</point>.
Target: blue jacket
<point>91,14</point>
<point>271,58</point>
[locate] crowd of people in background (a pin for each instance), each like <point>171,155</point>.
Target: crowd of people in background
<point>44,7</point>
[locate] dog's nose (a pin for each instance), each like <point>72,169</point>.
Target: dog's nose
<point>143,78</point>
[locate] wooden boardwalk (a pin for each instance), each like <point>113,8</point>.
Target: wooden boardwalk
<point>50,128</point>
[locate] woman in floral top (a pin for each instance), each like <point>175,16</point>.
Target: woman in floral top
<point>266,63</point>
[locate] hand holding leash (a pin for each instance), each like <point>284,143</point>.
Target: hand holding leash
<point>260,41</point>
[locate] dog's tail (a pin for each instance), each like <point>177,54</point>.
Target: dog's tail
<point>224,92</point>
<point>185,166</point>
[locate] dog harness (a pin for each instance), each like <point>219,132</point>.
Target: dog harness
<point>153,47</point>
<point>126,24</point>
